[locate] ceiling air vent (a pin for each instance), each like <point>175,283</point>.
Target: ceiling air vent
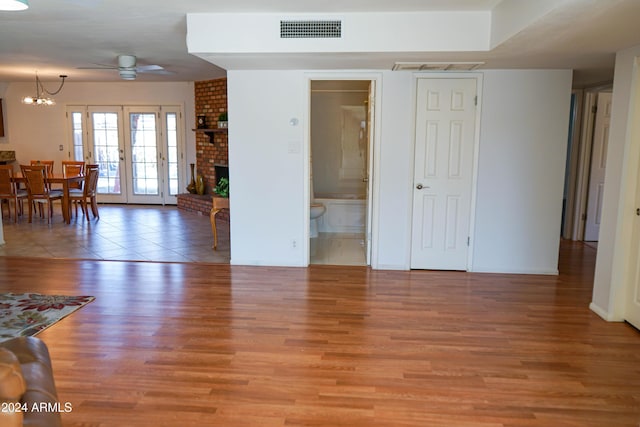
<point>436,66</point>
<point>310,29</point>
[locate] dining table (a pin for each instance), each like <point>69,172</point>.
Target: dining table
<point>66,182</point>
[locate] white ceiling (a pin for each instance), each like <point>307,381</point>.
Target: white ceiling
<point>55,37</point>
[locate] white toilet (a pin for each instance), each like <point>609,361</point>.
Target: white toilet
<point>316,211</point>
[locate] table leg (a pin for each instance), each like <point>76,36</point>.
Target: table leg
<point>66,208</point>
<point>212,217</point>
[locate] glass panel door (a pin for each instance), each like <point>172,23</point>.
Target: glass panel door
<point>140,151</point>
<point>143,137</point>
<point>107,150</point>
<point>173,148</point>
<point>77,130</point>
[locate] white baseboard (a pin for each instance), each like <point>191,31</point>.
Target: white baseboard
<point>603,313</point>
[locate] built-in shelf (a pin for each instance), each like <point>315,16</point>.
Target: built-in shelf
<point>211,132</point>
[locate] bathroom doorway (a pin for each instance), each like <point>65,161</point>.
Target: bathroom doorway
<point>341,134</point>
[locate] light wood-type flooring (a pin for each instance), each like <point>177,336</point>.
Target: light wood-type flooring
<point>197,344</point>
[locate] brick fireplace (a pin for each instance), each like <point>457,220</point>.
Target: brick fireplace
<point>210,101</point>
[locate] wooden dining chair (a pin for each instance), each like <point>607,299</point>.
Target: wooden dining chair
<point>10,193</point>
<point>87,195</point>
<point>48,163</point>
<point>73,168</point>
<point>38,190</point>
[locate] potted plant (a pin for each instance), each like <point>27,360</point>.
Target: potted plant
<point>222,188</point>
<point>222,120</point>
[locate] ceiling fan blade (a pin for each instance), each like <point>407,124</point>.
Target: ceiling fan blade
<point>159,72</point>
<point>144,68</point>
<point>99,67</point>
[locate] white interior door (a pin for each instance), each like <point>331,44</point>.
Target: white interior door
<point>443,173</point>
<point>598,167</point>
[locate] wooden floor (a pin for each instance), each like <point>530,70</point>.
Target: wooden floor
<point>170,344</point>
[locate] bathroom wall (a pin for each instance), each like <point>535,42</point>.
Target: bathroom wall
<point>338,142</point>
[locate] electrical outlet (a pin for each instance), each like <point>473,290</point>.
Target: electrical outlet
<point>294,243</point>
<point>61,147</point>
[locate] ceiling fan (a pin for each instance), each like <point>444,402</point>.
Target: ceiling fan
<point>128,69</point>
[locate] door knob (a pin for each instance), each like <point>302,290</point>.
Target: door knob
<point>419,186</point>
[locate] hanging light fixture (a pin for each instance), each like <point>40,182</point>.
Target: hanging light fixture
<point>12,5</point>
<point>40,99</point>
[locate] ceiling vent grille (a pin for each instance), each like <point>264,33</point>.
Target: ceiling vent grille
<point>436,66</point>
<point>310,29</point>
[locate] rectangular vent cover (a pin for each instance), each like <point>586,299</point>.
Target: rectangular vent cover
<point>310,29</point>
<point>436,66</point>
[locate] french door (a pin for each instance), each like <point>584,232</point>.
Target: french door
<point>138,150</point>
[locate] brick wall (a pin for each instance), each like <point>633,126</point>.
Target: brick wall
<point>210,101</point>
<point>201,205</point>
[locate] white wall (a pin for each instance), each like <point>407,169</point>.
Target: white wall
<point>252,33</point>
<point>267,166</point>
<point>36,132</point>
<point>523,142</point>
<point>525,116</point>
<point>394,176</point>
<point>618,205</point>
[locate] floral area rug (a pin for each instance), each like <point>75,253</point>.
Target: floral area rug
<point>29,314</point>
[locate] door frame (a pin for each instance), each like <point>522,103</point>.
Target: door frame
<point>476,149</point>
<point>374,155</point>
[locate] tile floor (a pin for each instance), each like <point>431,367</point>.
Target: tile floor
<point>149,233</point>
<point>337,249</point>
<point>123,232</point>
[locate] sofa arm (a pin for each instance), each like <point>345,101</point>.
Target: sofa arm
<point>40,398</point>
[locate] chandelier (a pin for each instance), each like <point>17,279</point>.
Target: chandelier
<point>11,5</point>
<point>40,98</point>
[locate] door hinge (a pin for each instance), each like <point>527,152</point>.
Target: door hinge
<point>475,100</point>
<point>468,241</point>
<point>584,217</point>
<point>594,109</point>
